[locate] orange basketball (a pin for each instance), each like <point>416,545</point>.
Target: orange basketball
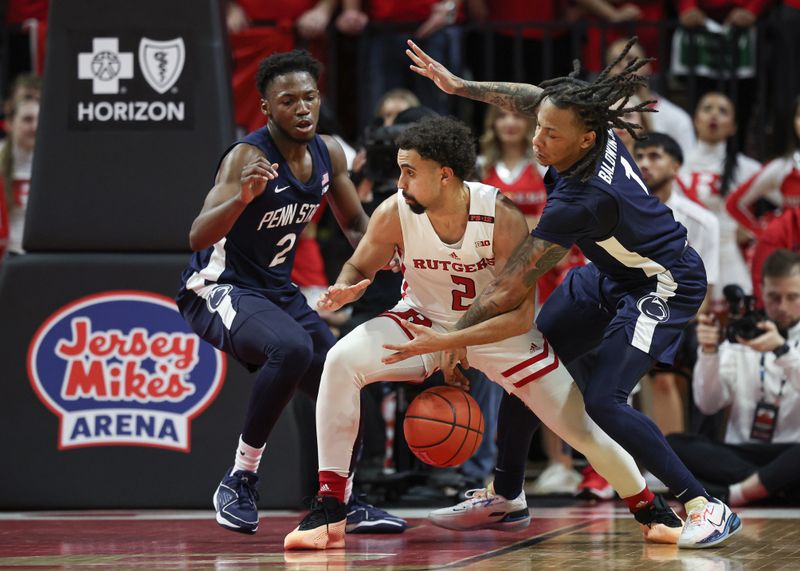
<point>443,426</point>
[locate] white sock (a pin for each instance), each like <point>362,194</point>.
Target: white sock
<point>348,488</point>
<point>736,495</point>
<point>247,457</point>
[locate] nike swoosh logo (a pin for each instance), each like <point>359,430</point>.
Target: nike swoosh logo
<point>241,452</point>
<point>281,188</point>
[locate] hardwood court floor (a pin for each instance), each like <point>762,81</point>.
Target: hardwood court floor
<point>582,537</point>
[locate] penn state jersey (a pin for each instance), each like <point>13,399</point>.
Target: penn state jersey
<point>625,231</point>
<point>442,280</point>
<point>258,252</point>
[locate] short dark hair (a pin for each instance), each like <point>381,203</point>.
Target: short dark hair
<point>667,143</point>
<point>282,63</point>
<point>445,140</point>
<point>781,264</point>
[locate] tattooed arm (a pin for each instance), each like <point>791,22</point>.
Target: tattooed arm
<point>519,98</point>
<point>517,281</point>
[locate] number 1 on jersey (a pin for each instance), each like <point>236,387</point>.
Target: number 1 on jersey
<point>459,295</point>
<point>631,174</point>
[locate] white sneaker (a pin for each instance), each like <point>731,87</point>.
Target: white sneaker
<point>554,480</point>
<point>709,525</point>
<point>483,509</point>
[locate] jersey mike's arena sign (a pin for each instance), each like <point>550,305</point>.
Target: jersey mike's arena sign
<point>129,81</point>
<point>122,368</point>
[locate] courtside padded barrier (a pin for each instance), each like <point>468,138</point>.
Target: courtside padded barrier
<point>108,401</point>
<point>136,111</point>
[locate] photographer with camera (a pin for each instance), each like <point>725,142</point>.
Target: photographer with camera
<point>756,371</point>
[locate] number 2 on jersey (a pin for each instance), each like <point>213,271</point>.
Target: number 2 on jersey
<point>459,295</point>
<point>280,257</point>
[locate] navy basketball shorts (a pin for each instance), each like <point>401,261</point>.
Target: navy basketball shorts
<point>244,323</point>
<point>590,306</point>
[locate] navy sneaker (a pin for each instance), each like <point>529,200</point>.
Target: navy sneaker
<point>366,518</point>
<point>235,501</point>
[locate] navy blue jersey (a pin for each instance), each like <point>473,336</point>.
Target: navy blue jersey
<point>628,233</point>
<point>258,252</point>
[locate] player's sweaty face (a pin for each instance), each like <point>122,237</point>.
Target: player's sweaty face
<point>658,167</point>
<point>714,118</point>
<point>292,103</point>
<point>419,179</point>
<point>559,140</point>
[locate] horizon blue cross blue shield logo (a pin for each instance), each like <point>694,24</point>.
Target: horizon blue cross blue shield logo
<point>122,368</point>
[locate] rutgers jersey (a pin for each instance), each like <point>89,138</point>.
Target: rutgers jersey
<point>442,280</point>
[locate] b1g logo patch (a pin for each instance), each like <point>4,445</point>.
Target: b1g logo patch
<point>653,307</point>
<point>123,368</point>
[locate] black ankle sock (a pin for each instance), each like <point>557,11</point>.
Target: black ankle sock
<point>516,425</point>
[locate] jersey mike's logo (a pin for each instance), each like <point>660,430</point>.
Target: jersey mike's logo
<point>653,307</point>
<point>122,368</point>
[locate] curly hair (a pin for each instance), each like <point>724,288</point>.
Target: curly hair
<point>444,140</point>
<point>593,104</point>
<point>285,62</point>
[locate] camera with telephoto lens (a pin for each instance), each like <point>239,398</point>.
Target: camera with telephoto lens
<point>381,146</point>
<point>744,317</point>
<point>380,142</point>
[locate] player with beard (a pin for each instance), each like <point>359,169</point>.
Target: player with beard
<point>237,292</point>
<point>455,238</point>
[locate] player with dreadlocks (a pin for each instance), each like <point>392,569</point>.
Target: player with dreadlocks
<point>612,319</point>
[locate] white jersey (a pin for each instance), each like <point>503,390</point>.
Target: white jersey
<point>442,280</point>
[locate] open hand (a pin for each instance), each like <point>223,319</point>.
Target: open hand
<point>426,340</point>
<point>428,67</point>
<point>339,294</point>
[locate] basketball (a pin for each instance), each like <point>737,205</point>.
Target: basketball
<point>443,426</point>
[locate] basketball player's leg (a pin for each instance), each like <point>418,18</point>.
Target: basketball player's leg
<point>502,504</point>
<point>264,338</point>
<point>353,363</point>
<point>362,517</point>
<point>540,381</point>
<point>617,368</point>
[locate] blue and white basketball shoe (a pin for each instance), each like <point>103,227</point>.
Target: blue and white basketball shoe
<point>366,518</point>
<point>235,501</point>
<point>484,509</point>
<point>709,525</point>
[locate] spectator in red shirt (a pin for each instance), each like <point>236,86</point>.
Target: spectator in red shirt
<point>782,233</point>
<point>612,20</point>
<point>778,181</point>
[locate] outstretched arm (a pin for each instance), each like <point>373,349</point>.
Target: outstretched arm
<point>519,98</point>
<point>383,236</point>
